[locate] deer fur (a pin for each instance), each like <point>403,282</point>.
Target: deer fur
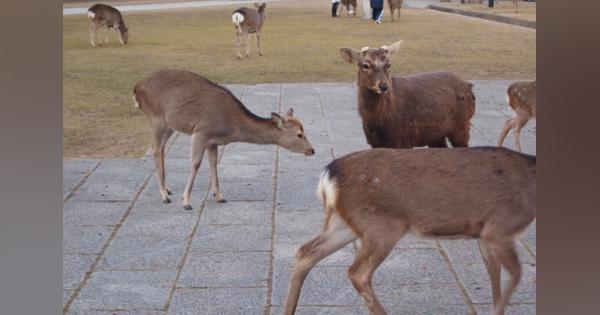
<point>521,97</point>
<point>379,195</point>
<point>413,111</point>
<point>350,6</point>
<point>395,5</point>
<point>183,101</point>
<point>247,21</point>
<point>110,17</point>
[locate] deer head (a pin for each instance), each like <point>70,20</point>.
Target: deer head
<point>261,9</point>
<point>291,133</point>
<point>373,65</point>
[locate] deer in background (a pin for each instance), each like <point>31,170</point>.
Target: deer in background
<point>395,5</point>
<point>379,195</point>
<point>105,15</point>
<point>515,3</point>
<point>419,110</point>
<point>350,6</point>
<point>247,21</point>
<point>521,97</point>
<point>189,103</point>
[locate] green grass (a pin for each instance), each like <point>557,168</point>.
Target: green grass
<point>300,42</point>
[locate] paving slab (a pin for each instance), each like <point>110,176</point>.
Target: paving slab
<point>224,258</point>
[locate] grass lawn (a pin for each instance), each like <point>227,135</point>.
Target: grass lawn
<point>300,42</point>
<point>526,10</point>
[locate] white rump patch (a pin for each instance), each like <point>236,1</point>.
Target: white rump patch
<point>327,189</point>
<point>135,102</point>
<point>237,18</point>
<point>91,15</point>
<point>365,48</point>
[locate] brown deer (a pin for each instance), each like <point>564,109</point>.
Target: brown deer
<point>413,111</point>
<point>379,195</point>
<point>521,99</point>
<point>395,5</point>
<point>515,4</point>
<point>350,6</point>
<point>105,15</point>
<point>247,21</point>
<point>189,103</point>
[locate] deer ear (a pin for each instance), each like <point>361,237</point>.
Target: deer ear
<point>278,119</point>
<point>350,55</point>
<point>290,112</point>
<point>393,48</point>
<point>256,5</point>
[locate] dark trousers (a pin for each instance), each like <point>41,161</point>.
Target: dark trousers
<point>376,13</point>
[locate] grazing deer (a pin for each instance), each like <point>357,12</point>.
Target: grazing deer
<point>515,3</point>
<point>379,195</point>
<point>105,15</point>
<point>350,6</point>
<point>247,21</point>
<point>521,99</point>
<point>413,111</point>
<point>395,5</point>
<point>191,104</point>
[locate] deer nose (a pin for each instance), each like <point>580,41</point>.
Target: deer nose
<point>310,152</point>
<point>383,87</point>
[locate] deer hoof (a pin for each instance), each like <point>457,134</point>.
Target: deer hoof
<point>239,57</point>
<point>260,54</point>
<point>221,200</point>
<point>187,207</point>
<point>166,200</point>
<point>168,191</point>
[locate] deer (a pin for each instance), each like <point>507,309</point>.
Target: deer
<point>515,4</point>
<point>247,21</point>
<point>350,6</point>
<point>520,97</point>
<point>395,5</point>
<point>379,195</point>
<point>105,15</point>
<point>183,101</point>
<point>405,112</point>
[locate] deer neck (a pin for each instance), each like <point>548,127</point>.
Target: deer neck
<point>371,103</point>
<point>258,130</point>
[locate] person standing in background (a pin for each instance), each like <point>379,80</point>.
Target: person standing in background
<point>368,12</point>
<point>334,7</point>
<point>377,7</point>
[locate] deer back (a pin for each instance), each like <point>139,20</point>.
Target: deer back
<point>445,193</point>
<point>522,97</point>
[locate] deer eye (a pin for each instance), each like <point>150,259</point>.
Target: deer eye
<point>365,66</point>
<point>299,136</point>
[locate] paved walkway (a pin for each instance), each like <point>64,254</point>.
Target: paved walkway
<point>166,6</point>
<point>125,252</point>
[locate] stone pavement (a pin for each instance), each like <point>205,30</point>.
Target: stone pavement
<point>125,252</point>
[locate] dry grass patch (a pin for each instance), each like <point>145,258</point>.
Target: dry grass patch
<point>300,42</point>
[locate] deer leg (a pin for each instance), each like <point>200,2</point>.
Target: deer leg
<point>213,152</point>
<point>248,46</point>
<point>106,36</point>
<point>198,148</point>
<point>93,35</point>
<point>258,43</point>
<point>507,127</point>
<point>460,138</point>
<point>164,140</point>
<point>159,162</point>
<point>335,235</point>
<point>439,144</point>
<point>520,123</point>
<point>376,246</point>
<point>237,45</point>
<point>492,265</point>
<point>507,255</point>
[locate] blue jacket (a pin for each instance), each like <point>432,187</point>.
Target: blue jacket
<point>376,3</point>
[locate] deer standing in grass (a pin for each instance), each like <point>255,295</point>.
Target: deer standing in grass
<point>379,195</point>
<point>247,21</point>
<point>419,110</point>
<point>105,15</point>
<point>189,103</point>
<point>515,4</point>
<point>395,5</point>
<point>521,98</point>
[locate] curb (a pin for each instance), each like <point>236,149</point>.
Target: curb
<point>486,16</point>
